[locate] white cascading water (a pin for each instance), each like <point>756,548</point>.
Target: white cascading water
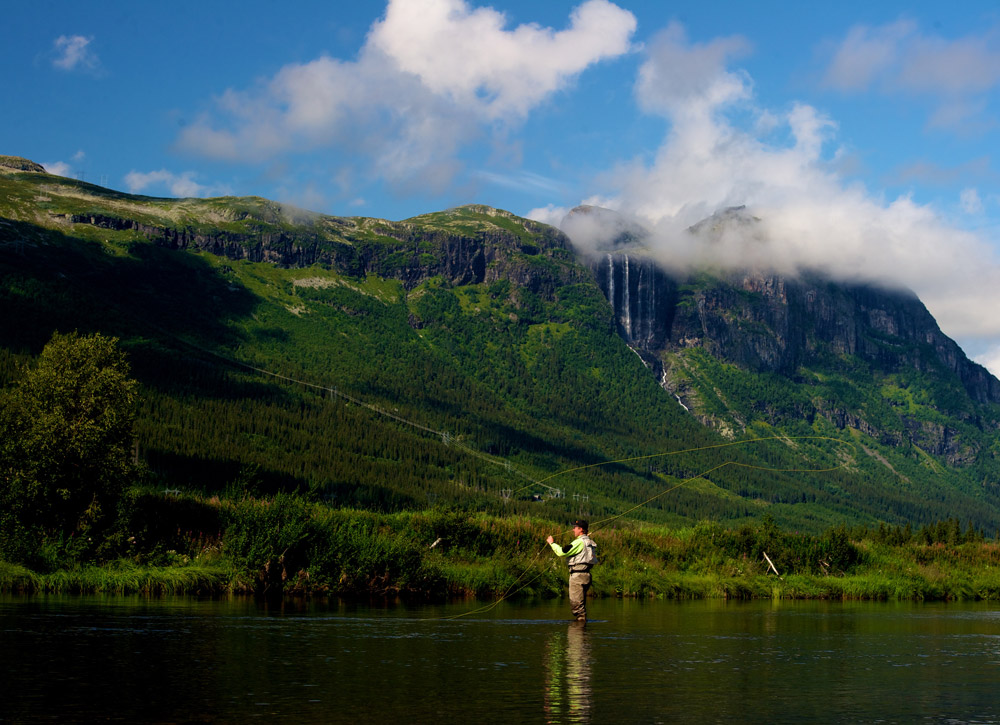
<point>611,284</point>
<point>651,305</point>
<point>625,304</point>
<point>641,302</point>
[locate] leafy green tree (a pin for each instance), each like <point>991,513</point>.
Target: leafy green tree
<point>66,440</point>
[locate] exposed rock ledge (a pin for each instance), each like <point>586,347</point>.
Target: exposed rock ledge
<point>16,163</point>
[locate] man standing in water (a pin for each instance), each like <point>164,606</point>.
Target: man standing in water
<point>582,555</point>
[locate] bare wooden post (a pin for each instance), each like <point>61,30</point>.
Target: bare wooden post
<point>771,563</point>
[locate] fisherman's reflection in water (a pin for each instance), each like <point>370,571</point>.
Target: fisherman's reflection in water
<point>567,689</point>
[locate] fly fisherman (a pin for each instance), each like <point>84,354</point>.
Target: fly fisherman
<point>582,555</point>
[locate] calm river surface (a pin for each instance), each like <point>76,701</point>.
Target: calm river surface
<point>85,659</point>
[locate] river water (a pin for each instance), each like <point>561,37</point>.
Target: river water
<point>174,659</point>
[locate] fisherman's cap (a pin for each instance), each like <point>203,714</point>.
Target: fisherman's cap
<point>582,524</point>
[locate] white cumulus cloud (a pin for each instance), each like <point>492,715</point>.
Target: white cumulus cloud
<point>684,79</point>
<point>433,76</point>
<point>469,55</point>
<point>62,168</point>
<point>59,168</point>
<point>785,171</point>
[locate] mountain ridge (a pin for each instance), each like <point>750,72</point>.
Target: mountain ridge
<point>479,322</point>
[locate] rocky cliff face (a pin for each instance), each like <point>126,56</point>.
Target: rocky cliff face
<point>263,244</point>
<point>16,163</point>
<point>408,251</point>
<point>765,322</point>
<point>643,298</point>
<point>771,323</point>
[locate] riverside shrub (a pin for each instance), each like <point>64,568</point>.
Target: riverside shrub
<point>66,437</point>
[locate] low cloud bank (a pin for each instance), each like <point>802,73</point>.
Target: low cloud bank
<point>800,212</point>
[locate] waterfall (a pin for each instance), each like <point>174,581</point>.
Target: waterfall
<point>651,305</point>
<point>625,304</point>
<point>611,283</point>
<point>641,303</point>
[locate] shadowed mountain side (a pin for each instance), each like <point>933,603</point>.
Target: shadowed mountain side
<point>57,282</point>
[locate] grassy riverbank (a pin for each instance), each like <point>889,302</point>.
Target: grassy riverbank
<point>116,577</point>
<point>287,546</point>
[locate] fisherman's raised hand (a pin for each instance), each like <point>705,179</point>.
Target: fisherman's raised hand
<point>550,540</point>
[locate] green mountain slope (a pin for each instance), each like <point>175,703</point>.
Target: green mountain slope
<point>460,358</point>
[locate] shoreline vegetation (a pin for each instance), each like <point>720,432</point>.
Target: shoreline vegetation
<point>287,546</point>
<point>81,511</point>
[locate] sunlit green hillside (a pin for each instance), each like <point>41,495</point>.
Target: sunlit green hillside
<point>462,358</point>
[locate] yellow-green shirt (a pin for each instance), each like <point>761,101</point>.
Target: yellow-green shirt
<point>575,547</point>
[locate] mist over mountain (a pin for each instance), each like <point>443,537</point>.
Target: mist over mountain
<point>722,148</point>
<point>764,320</point>
<point>469,354</point>
<point>802,308</point>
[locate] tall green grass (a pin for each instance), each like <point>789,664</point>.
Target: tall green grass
<point>116,578</point>
<point>288,545</point>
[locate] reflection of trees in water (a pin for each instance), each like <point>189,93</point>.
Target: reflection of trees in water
<point>568,692</point>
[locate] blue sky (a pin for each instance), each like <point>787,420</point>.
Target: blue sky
<point>865,135</point>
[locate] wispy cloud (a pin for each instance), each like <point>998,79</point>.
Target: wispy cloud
<point>867,55</point>
<point>523,180</point>
<point>901,58</point>
<point>433,76</point>
<point>72,52</point>
<point>926,172</point>
<point>970,201</point>
<point>178,185</point>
